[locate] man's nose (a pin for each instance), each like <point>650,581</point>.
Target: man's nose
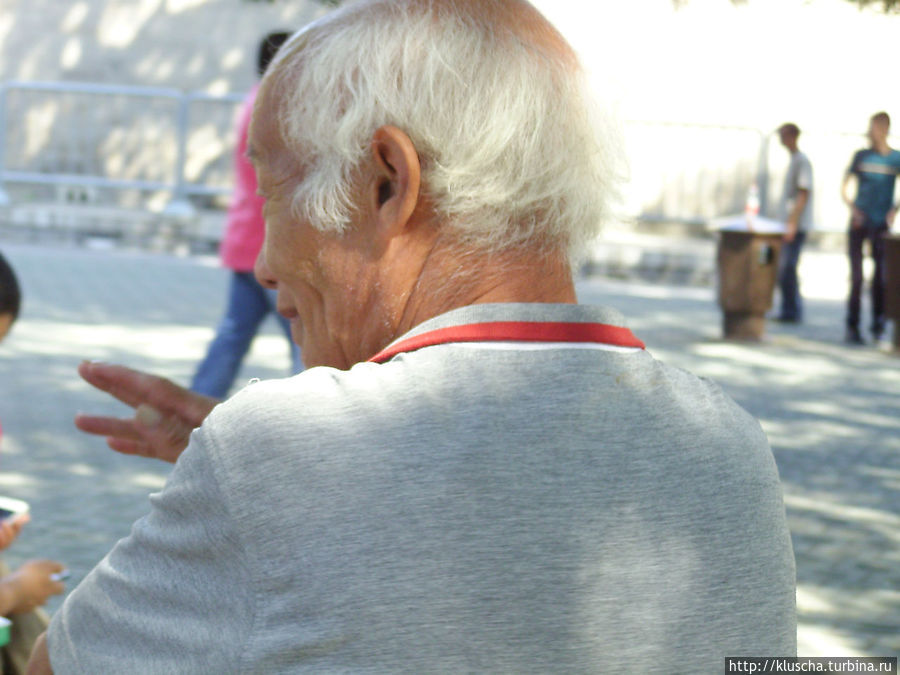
<point>261,271</point>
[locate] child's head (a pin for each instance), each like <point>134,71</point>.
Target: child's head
<point>10,297</point>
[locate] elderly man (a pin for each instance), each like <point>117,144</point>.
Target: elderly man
<point>480,475</point>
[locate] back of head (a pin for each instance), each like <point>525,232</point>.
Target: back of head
<point>268,47</point>
<point>789,129</point>
<point>491,96</point>
<point>10,294</point>
<point>882,119</point>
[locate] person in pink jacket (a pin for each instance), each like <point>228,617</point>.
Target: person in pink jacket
<point>248,302</point>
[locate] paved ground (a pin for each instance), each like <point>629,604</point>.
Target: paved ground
<point>831,412</point>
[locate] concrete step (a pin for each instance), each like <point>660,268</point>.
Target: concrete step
<point>668,253</point>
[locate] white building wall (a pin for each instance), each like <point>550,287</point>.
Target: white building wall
<point>186,44</point>
<point>823,64</point>
<point>735,71</point>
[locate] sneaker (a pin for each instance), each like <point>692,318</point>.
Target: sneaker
<point>852,336</point>
<point>878,329</point>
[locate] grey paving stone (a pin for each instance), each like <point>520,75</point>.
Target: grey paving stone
<point>832,414</point>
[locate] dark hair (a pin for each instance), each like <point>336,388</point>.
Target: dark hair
<point>268,48</point>
<point>882,118</point>
<point>10,295</point>
<point>790,129</point>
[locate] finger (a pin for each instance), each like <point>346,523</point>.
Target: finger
<point>17,523</point>
<point>127,385</point>
<point>135,388</point>
<point>131,387</point>
<point>104,376</point>
<point>148,434</point>
<point>107,426</point>
<point>10,528</point>
<point>128,447</point>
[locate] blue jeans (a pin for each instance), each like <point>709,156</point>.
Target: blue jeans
<point>248,304</point>
<point>788,281</point>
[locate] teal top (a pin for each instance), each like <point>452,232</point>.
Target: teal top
<point>877,175</point>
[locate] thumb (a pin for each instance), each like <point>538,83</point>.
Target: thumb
<point>164,433</point>
<point>147,416</point>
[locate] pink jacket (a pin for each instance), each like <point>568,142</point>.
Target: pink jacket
<point>245,227</point>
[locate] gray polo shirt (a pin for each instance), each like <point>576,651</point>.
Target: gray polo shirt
<point>798,177</point>
<point>496,507</point>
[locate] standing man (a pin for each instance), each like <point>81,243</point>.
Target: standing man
<point>796,212</point>
<point>872,214</point>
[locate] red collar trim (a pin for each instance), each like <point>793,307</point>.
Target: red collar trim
<point>514,331</point>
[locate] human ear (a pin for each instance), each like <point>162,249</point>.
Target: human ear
<point>395,186</point>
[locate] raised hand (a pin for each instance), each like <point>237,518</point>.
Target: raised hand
<point>165,413</point>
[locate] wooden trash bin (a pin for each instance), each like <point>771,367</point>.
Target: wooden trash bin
<point>748,271</point>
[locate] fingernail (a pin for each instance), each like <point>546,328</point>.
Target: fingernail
<point>147,415</point>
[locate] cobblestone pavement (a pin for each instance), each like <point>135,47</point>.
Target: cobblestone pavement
<point>832,414</point>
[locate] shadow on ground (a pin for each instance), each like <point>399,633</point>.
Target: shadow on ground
<point>831,414</point>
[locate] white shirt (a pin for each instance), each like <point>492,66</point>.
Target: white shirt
<point>799,177</point>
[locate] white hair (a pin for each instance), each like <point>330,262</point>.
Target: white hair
<point>506,137</point>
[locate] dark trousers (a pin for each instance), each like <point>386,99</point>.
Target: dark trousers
<point>855,240</point>
<point>788,282</point>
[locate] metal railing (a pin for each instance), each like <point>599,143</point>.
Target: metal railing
<point>116,138</point>
<point>176,147</point>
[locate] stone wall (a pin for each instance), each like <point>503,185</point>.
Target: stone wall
<point>702,87</point>
<point>205,45</point>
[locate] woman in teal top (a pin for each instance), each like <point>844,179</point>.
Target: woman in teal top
<point>872,214</point>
